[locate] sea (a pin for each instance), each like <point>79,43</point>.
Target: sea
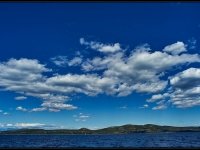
<point>134,140</point>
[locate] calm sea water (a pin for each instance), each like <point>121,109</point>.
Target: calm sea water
<point>183,139</point>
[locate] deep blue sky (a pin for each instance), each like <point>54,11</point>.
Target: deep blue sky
<point>43,31</point>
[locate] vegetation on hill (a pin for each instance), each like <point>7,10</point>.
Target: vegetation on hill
<point>125,129</point>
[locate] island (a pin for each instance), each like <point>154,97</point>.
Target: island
<point>124,129</point>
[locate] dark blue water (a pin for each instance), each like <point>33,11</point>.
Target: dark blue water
<point>189,139</point>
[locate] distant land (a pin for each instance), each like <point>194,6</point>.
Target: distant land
<point>124,129</point>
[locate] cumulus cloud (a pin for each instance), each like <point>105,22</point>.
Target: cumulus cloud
<point>17,72</point>
<point>159,107</point>
<point>81,117</point>
<point>187,79</point>
<point>55,106</point>
<point>87,84</point>
<point>63,61</point>
<point>24,64</point>
<point>75,61</point>
<point>60,61</point>
<point>25,76</point>
<point>100,63</point>
<point>38,109</point>
<point>20,98</point>
<point>145,106</point>
<point>117,74</point>
<point>20,108</point>
<point>52,103</point>
<point>27,125</point>
<point>140,71</point>
<point>176,48</point>
<point>142,65</point>
<point>192,43</point>
<point>186,88</point>
<point>157,97</point>
<point>105,48</point>
<point>3,112</point>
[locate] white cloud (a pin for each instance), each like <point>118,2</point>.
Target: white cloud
<point>159,107</point>
<point>52,103</point>
<point>176,48</point>
<point>21,71</point>
<point>186,79</point>
<point>75,61</point>
<point>20,98</point>
<point>149,61</point>
<point>78,53</point>
<point>38,109</point>
<point>81,117</point>
<point>27,125</point>
<point>105,48</point>
<point>20,108</point>
<point>142,48</point>
<point>157,97</point>
<point>141,71</point>
<point>60,61</point>
<point>123,107</point>
<point>5,113</point>
<point>109,48</point>
<point>54,110</point>
<point>98,63</point>
<point>83,42</point>
<point>150,87</point>
<point>23,64</point>
<point>87,84</point>
<point>25,76</point>
<point>117,74</point>
<point>58,106</point>
<point>186,88</point>
<point>145,106</point>
<point>192,43</point>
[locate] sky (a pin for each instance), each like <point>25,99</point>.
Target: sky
<point>94,65</point>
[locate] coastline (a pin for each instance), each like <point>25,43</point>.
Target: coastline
<point>124,129</point>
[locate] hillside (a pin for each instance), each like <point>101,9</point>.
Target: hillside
<point>125,129</point>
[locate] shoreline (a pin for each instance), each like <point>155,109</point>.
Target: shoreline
<point>124,129</point>
<point>108,133</point>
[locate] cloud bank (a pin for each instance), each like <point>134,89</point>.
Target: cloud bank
<point>5,126</point>
<point>114,73</point>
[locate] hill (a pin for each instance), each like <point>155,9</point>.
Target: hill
<point>124,129</point>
